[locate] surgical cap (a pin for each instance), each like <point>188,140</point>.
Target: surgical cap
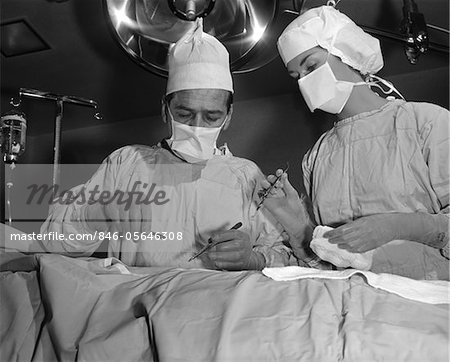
<point>198,61</point>
<point>330,29</point>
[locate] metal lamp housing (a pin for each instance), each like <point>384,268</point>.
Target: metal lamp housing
<point>146,29</point>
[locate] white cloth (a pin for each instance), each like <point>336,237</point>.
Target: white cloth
<point>425,291</point>
<point>198,61</point>
<point>107,266</point>
<point>337,256</point>
<point>330,29</point>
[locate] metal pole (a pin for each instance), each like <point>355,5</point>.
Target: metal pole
<point>2,192</point>
<point>57,146</point>
<point>59,99</point>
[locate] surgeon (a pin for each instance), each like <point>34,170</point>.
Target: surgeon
<point>382,172</point>
<point>172,199</point>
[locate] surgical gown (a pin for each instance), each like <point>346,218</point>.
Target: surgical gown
<point>394,159</point>
<point>202,198</point>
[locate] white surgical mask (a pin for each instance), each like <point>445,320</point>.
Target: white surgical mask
<point>193,143</point>
<point>321,90</point>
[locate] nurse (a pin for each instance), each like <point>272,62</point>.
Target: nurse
<point>382,172</point>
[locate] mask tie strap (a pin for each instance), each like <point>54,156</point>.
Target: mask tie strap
<point>222,150</point>
<point>375,81</point>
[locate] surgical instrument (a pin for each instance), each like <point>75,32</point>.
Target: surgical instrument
<point>211,244</point>
<point>266,193</point>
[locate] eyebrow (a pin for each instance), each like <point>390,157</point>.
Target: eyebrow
<point>210,112</point>
<point>215,112</point>
<point>183,108</point>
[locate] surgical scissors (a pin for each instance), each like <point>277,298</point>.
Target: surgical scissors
<point>266,193</point>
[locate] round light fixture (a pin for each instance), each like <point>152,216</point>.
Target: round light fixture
<point>147,29</point>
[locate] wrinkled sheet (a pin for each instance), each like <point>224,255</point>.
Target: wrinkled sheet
<point>96,314</point>
<point>23,333</point>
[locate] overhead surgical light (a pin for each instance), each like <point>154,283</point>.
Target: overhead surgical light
<point>415,28</point>
<point>190,10</point>
<point>146,29</point>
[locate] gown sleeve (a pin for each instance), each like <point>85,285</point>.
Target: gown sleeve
<point>68,216</point>
<point>434,131</point>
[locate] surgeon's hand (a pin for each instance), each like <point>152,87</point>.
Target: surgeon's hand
<point>283,199</point>
<point>234,252</point>
<point>370,232</point>
<point>290,211</point>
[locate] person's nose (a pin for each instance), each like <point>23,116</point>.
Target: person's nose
<point>197,121</point>
<point>295,75</point>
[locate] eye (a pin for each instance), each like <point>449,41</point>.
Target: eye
<point>212,120</point>
<point>212,117</point>
<point>184,115</point>
<point>309,67</point>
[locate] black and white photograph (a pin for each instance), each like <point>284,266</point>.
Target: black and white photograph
<point>224,180</point>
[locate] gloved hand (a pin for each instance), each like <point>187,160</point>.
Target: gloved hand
<point>290,211</point>
<point>235,252</point>
<point>370,232</point>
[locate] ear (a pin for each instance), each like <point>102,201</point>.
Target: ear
<point>227,122</point>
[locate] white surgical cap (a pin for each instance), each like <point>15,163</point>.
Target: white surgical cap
<point>330,29</point>
<point>198,61</point>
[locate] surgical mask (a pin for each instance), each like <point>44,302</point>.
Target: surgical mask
<point>193,143</point>
<point>321,90</point>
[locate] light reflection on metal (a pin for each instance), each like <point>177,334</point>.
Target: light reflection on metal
<point>258,32</point>
<point>121,17</point>
<point>191,9</point>
<point>14,102</point>
<point>414,28</point>
<point>147,28</point>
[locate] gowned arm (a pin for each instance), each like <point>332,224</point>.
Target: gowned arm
<point>76,218</point>
<point>75,238</point>
<point>435,138</point>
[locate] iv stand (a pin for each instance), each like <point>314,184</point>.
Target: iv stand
<point>60,100</point>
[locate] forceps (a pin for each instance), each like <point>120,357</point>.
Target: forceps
<point>211,244</point>
<point>263,195</point>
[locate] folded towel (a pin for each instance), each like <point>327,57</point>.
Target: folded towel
<point>337,256</point>
<point>109,265</point>
<point>425,291</point>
